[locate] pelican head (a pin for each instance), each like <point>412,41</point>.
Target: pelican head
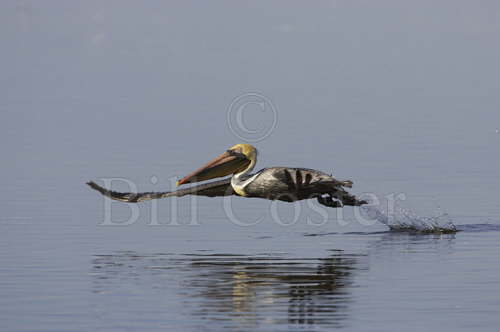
<point>237,159</point>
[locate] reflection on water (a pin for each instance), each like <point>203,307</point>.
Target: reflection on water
<point>314,290</point>
<point>269,291</point>
<point>242,291</point>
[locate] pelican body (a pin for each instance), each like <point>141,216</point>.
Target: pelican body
<point>275,183</point>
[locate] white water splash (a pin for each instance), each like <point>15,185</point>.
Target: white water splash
<point>404,220</point>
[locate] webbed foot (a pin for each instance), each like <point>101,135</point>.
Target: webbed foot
<point>328,201</point>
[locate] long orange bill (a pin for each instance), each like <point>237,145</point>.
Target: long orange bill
<point>225,164</point>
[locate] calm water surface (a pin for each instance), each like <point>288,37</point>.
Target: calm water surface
<point>400,99</point>
<point>69,274</point>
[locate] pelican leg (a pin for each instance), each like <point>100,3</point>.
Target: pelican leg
<point>348,199</point>
<point>328,201</point>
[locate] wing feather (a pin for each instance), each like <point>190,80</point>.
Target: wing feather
<point>212,189</point>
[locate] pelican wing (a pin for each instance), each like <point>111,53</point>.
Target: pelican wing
<point>212,189</point>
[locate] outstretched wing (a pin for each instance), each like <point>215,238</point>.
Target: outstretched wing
<point>212,189</point>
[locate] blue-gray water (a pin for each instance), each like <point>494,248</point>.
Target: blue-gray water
<point>399,97</point>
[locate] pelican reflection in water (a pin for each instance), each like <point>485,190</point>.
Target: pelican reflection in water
<point>275,183</point>
<point>240,290</point>
<point>313,291</point>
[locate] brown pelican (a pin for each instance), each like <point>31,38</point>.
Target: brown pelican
<point>275,183</point>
